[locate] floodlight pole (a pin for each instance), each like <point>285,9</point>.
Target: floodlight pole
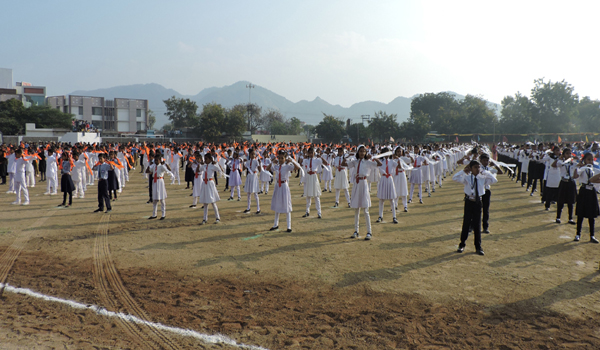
<point>249,87</point>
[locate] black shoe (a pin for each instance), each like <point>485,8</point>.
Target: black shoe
<point>98,210</point>
<point>318,216</point>
<point>162,217</point>
<point>246,211</point>
<point>191,194</point>
<point>152,217</point>
<point>572,222</point>
<point>193,206</point>
<point>485,230</point>
<point>108,211</point>
<point>480,252</point>
<point>395,221</point>
<point>379,219</point>
<point>289,230</point>
<point>460,249</point>
<point>257,212</point>
<point>61,205</point>
<point>349,206</point>
<point>355,235</point>
<point>230,199</point>
<point>405,209</point>
<point>335,205</point>
<point>576,238</point>
<point>273,228</point>
<point>306,215</point>
<point>368,237</point>
<point>148,202</point>
<point>557,220</point>
<point>593,240</point>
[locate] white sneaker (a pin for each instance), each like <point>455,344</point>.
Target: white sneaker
<point>46,193</point>
<point>53,194</point>
<point>26,203</point>
<point>15,203</point>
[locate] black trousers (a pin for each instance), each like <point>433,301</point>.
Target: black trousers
<point>518,172</point>
<point>523,179</point>
<point>103,195</point>
<point>591,222</point>
<point>150,186</point>
<point>227,171</point>
<point>471,218</point>
<point>485,201</point>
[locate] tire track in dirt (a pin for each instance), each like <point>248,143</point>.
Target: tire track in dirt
<point>113,291</point>
<point>11,253</point>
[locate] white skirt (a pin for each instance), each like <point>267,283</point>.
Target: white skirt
<point>235,179</point>
<point>282,199</point>
<point>251,183</point>
<point>401,185</point>
<point>208,192</point>
<point>312,187</point>
<point>197,182</point>
<point>361,198</point>
<point>265,176</point>
<point>159,190</point>
<point>341,179</point>
<point>386,188</point>
<point>327,174</point>
<point>415,176</point>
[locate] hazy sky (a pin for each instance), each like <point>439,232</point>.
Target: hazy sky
<point>342,51</point>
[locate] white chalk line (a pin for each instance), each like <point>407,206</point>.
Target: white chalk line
<point>207,338</point>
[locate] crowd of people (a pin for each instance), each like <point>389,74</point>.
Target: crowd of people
<point>359,172</point>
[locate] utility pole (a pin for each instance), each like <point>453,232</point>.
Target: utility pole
<point>362,120</point>
<point>249,87</point>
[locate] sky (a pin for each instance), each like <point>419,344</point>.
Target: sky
<point>341,51</point>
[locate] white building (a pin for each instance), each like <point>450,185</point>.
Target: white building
<point>121,115</point>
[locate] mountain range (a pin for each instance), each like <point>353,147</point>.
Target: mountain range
<point>310,112</point>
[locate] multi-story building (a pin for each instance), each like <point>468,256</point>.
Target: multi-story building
<point>24,92</point>
<point>112,116</point>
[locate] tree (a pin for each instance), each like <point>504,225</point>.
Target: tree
<point>441,109</point>
<point>588,115</point>
<point>330,129</point>
<point>273,118</point>
<point>358,132</point>
<point>554,106</point>
<point>151,119</point>
<point>295,126</point>
<point>212,120</point>
<point>235,120</point>
<point>417,126</point>
<point>516,115</point>
<point>309,130</point>
<point>14,116</point>
<point>383,126</point>
<point>475,116</point>
<point>182,112</point>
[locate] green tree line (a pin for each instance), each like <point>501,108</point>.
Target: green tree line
<point>214,122</point>
<point>14,116</point>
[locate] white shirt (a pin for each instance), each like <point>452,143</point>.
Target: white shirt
<point>483,178</point>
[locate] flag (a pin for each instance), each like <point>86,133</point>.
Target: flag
<point>457,139</point>
<point>559,140</point>
<point>478,138</point>
<point>586,139</point>
<point>391,139</point>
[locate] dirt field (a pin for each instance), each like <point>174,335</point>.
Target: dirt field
<point>314,288</point>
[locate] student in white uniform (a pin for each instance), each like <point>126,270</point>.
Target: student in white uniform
<point>400,182</point>
<point>11,168</point>
<point>327,171</point>
<point>51,173</point>
<point>157,172</point>
<point>251,187</point>
<point>208,190</point>
<point>587,199</point>
<point>386,188</point>
<point>312,187</point>
<point>484,158</point>
<point>20,181</point>
<point>552,177</point>
<point>265,175</point>
<point>175,161</point>
<point>361,198</point>
<point>341,177</point>
<point>235,174</point>
<point>30,172</point>
<point>474,183</point>
<point>416,178</point>
<point>567,189</point>
<point>281,203</point>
